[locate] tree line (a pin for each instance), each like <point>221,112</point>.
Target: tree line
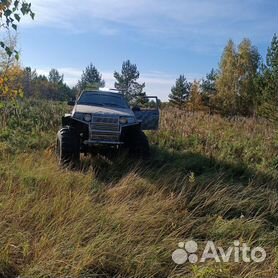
<point>242,85</point>
<point>53,86</point>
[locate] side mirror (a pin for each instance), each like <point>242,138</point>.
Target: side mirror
<point>71,102</point>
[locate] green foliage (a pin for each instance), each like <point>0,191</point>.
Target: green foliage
<point>208,84</point>
<point>54,77</point>
<point>243,84</point>
<point>267,83</point>
<point>208,88</point>
<point>41,87</point>
<point>30,124</point>
<point>90,77</point>
<point>236,92</point>
<point>227,80</point>
<point>272,55</point>
<point>196,100</point>
<point>126,82</point>
<point>180,92</point>
<point>10,15</point>
<point>247,67</point>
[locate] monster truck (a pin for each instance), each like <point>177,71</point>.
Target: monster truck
<point>104,118</point>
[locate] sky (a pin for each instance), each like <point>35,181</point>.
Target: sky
<point>164,38</point>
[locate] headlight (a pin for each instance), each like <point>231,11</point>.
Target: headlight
<point>123,120</point>
<point>87,117</point>
<point>78,115</point>
<point>127,120</point>
<point>82,116</point>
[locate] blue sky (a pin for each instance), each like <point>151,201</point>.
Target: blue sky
<point>164,38</point>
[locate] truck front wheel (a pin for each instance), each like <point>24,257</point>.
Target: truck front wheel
<point>68,147</point>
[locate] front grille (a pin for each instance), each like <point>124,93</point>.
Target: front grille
<point>105,137</point>
<point>111,120</point>
<point>102,126</point>
<point>105,123</point>
<point>105,129</point>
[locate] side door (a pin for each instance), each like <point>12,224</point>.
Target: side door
<point>148,113</point>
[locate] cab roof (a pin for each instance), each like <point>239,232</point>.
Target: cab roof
<point>104,90</point>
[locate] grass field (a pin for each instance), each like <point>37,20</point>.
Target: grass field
<point>209,178</point>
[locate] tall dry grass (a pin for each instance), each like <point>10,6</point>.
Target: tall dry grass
<point>209,178</point>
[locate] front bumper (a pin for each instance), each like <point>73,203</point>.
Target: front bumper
<point>99,142</point>
<point>102,130</point>
<point>108,130</point>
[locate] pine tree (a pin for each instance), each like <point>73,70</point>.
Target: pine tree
<point>208,87</point>
<point>268,82</point>
<point>272,68</point>
<point>272,55</point>
<point>91,78</point>
<point>126,82</point>
<point>180,92</point>
<point>55,77</point>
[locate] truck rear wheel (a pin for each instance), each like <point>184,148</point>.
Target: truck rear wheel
<point>68,147</point>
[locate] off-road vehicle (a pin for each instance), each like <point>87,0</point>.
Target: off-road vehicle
<point>104,118</point>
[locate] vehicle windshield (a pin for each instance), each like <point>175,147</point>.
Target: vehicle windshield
<point>102,99</point>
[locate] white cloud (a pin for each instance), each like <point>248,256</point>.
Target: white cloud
<point>176,18</point>
<point>202,26</point>
<point>157,83</point>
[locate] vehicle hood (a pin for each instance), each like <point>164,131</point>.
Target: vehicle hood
<point>103,110</point>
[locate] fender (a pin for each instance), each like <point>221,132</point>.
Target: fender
<point>83,128</point>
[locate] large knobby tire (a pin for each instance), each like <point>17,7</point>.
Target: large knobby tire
<point>68,147</point>
<point>139,145</point>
